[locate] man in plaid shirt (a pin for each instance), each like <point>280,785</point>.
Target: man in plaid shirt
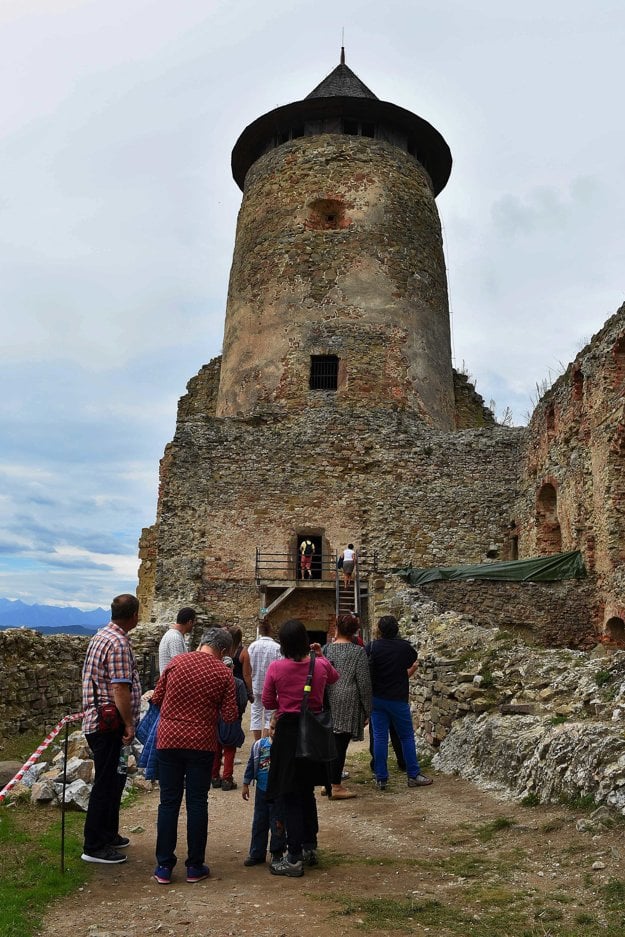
<point>109,676</point>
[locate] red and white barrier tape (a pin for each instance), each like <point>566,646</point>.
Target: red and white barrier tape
<point>73,717</point>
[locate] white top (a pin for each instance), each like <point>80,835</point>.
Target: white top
<point>348,554</point>
<point>172,643</point>
<point>263,651</point>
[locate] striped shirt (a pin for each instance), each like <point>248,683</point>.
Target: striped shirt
<point>109,660</point>
<point>263,651</point>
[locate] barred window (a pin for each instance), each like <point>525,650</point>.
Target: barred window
<point>324,372</point>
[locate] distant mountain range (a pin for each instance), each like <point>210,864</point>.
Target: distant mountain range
<point>51,619</point>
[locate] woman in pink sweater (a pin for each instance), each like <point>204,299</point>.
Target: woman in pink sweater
<point>291,780</point>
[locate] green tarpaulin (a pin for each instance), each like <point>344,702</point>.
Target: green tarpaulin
<point>540,569</point>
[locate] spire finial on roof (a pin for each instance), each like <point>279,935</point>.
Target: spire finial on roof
<point>342,45</point>
<point>342,55</point>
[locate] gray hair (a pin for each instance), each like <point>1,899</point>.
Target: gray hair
<point>217,638</point>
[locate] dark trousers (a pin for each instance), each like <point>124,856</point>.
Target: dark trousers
<point>302,825</point>
<point>188,771</point>
<point>267,820</point>
<point>102,820</point>
<point>341,740</point>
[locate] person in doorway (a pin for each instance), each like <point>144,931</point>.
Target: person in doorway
<point>306,549</point>
<point>350,558</point>
<point>110,686</point>
<point>262,652</point>
<point>173,641</point>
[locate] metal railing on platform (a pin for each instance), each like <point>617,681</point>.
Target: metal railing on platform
<point>287,566</point>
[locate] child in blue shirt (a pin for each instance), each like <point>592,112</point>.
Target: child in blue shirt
<point>267,817</point>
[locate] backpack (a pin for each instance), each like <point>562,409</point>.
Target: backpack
<point>230,734</point>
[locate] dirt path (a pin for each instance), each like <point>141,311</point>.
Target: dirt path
<point>451,859</point>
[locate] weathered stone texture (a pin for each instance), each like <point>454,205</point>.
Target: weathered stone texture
<point>470,410</point>
<point>573,476</point>
<point>369,287</point>
<point>554,614</point>
<point>40,676</point>
<point>380,478</point>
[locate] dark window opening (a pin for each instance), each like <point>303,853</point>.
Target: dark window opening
<point>297,132</point>
<point>326,214</point>
<point>368,130</point>
<point>324,372</point>
<point>350,127</point>
<point>615,628</point>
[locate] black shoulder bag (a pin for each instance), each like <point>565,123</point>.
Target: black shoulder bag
<point>315,735</point>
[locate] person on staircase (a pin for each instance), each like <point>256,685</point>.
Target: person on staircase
<point>350,559</point>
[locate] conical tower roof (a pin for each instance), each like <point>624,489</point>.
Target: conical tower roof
<point>342,82</point>
<point>340,99</point>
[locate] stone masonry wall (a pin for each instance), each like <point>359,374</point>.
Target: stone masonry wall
<point>338,252</point>
<point>380,479</point>
<point>554,614</point>
<point>40,676</point>
<point>572,492</point>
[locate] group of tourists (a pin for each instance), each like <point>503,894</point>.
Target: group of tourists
<point>197,708</point>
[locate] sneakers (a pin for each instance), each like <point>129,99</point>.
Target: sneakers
<point>105,856</point>
<point>216,782</point>
<point>120,842</point>
<point>228,785</point>
<point>309,857</point>
<point>196,873</point>
<point>381,785</point>
<point>284,867</point>
<point>162,874</point>
<point>252,860</point>
<point>419,781</point>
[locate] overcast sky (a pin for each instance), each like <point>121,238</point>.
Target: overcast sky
<point>118,211</point>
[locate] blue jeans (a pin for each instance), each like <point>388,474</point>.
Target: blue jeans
<point>386,712</point>
<point>267,819</point>
<point>189,771</point>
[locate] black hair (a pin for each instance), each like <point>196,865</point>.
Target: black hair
<point>350,546</point>
<point>293,639</point>
<point>237,636</point>
<point>124,607</point>
<point>185,615</point>
<point>388,626</point>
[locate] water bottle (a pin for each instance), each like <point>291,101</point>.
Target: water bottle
<point>122,764</point>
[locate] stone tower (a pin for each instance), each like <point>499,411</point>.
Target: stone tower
<point>338,289</point>
<point>334,413</point>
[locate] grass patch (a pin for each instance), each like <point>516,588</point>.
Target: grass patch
<point>397,913</point>
<point>558,720</point>
<point>21,747</point>
<point>583,802</point>
<point>486,832</point>
<point>329,859</point>
<point>531,800</point>
<point>613,894</point>
<point>32,877</point>
<point>465,865</point>
<point>602,677</point>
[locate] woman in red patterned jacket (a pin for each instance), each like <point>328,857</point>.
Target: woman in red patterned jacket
<point>193,690</point>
